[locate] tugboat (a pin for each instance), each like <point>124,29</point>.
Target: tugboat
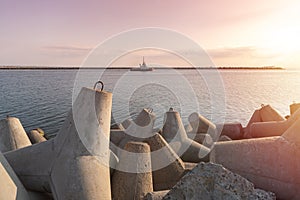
<point>143,67</point>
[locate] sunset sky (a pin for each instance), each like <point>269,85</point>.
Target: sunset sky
<point>233,32</point>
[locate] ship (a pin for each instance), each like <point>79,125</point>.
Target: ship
<point>143,67</point>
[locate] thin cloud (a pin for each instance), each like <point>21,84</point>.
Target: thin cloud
<point>231,52</point>
<point>66,51</point>
<point>249,51</point>
<point>67,48</point>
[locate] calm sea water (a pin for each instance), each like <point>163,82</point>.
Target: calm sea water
<point>42,98</point>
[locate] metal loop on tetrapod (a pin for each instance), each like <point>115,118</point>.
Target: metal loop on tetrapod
<point>102,85</point>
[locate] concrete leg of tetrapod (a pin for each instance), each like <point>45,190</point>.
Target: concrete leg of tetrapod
<point>12,135</point>
<point>36,137</point>
<point>271,163</point>
<point>82,144</point>
<point>174,133</point>
<point>272,128</point>
<point>133,177</point>
<point>167,167</point>
<point>10,186</point>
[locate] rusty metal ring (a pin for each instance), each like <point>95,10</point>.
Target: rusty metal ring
<point>102,85</point>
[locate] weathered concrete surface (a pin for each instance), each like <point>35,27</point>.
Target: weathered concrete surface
<point>118,139</point>
<point>254,118</point>
<point>232,130</point>
<point>75,164</point>
<point>272,128</point>
<point>81,169</point>
<point>167,167</point>
<point>292,134</point>
<point>117,135</point>
<point>268,113</point>
<point>134,130</point>
<point>158,195</point>
<point>33,165</point>
<point>271,163</point>
<point>200,124</point>
<point>127,139</point>
<point>36,137</point>
<point>294,107</point>
<point>189,166</point>
<point>211,181</point>
<point>125,124</point>
<point>126,185</point>
<point>145,118</point>
<point>81,178</point>
<point>267,129</point>
<point>265,114</point>
<point>142,125</point>
<point>224,138</point>
<point>10,186</point>
<point>12,135</point>
<point>201,138</point>
<point>174,133</point>
<point>39,196</point>
<point>113,161</point>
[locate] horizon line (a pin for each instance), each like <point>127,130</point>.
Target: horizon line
<point>18,67</point>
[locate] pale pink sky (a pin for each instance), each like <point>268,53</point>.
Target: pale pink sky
<point>233,32</point>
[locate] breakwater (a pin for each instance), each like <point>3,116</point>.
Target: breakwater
<point>88,159</point>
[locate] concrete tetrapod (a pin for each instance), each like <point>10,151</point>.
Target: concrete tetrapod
<point>138,129</point>
<point>142,125</point>
<point>167,167</point>
<point>224,138</point>
<point>201,130</point>
<point>75,164</point>
<point>200,124</point>
<point>268,113</point>
<point>133,178</point>
<point>125,124</point>
<point>294,107</point>
<point>272,128</point>
<point>254,118</point>
<point>198,137</point>
<point>174,133</point>
<point>10,186</point>
<point>158,195</point>
<point>232,130</point>
<point>116,136</point>
<point>204,139</point>
<point>271,163</point>
<point>12,135</point>
<point>265,114</point>
<point>39,196</point>
<point>36,137</point>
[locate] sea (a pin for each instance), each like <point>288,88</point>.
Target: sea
<point>42,98</point>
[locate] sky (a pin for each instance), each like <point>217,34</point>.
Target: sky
<point>232,32</point>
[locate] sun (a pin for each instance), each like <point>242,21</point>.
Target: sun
<point>282,32</point>
<point>285,40</point>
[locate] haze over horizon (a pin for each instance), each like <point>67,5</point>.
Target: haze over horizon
<point>232,32</point>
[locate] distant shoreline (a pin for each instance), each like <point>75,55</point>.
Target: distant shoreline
<point>178,68</point>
